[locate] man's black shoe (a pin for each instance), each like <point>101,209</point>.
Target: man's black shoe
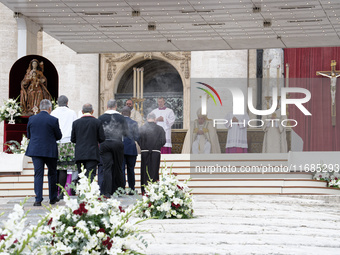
<point>61,196</point>
<point>52,202</point>
<point>131,193</point>
<point>37,204</point>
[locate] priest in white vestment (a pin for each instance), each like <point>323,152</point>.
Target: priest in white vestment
<point>202,137</point>
<point>135,115</point>
<point>237,133</point>
<point>275,140</point>
<point>165,118</point>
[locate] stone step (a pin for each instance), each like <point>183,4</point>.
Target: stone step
<point>216,183</point>
<point>216,166</point>
<point>26,189</point>
<point>292,175</point>
<point>227,175</point>
<point>273,190</point>
<point>238,182</point>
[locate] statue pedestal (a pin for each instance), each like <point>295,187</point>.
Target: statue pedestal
<point>15,131</point>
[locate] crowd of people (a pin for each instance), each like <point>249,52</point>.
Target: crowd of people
<point>109,143</point>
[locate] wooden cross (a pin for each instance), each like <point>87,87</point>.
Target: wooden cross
<point>333,75</point>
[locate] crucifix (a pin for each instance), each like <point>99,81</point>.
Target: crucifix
<point>333,75</point>
<point>35,109</point>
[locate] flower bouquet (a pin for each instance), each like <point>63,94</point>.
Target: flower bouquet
<point>10,110</point>
<point>322,176</point>
<point>17,148</point>
<point>88,224</point>
<point>334,181</point>
<point>91,224</point>
<point>167,198</point>
<point>329,175</point>
<point>54,104</point>
<point>15,236</point>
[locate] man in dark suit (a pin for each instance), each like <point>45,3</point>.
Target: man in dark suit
<point>112,150</point>
<point>87,133</point>
<point>43,131</point>
<point>130,150</point>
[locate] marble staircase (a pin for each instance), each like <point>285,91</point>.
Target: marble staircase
<point>247,175</point>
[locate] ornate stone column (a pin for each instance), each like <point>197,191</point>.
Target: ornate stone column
<point>272,61</point>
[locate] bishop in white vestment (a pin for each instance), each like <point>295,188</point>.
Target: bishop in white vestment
<point>165,118</point>
<point>237,133</point>
<point>202,137</point>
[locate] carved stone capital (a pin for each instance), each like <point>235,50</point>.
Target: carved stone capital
<point>148,55</point>
<point>111,60</point>
<point>185,57</point>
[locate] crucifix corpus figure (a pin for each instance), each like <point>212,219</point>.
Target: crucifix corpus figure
<point>333,75</point>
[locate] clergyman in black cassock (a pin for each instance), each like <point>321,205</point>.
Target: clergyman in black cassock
<point>151,140</point>
<point>112,149</point>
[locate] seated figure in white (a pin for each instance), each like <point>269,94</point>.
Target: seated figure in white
<point>202,137</point>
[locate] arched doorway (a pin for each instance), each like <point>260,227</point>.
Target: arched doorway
<point>161,79</point>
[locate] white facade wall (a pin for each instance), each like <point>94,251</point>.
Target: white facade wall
<point>214,67</point>
<point>8,54</point>
<point>78,73</point>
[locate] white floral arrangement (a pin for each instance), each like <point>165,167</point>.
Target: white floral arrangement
<point>14,235</point>
<point>330,176</point>
<point>87,224</point>
<point>17,148</point>
<point>167,198</point>
<point>54,104</point>
<point>91,224</point>
<point>10,107</point>
<point>322,176</point>
<point>335,183</point>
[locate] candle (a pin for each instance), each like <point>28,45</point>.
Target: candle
<point>268,77</point>
<point>204,104</point>
<point>278,79</point>
<point>138,81</point>
<point>134,82</point>
<point>287,75</point>
<point>141,82</point>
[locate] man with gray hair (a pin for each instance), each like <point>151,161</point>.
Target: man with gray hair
<point>151,140</point>
<point>112,149</point>
<point>43,131</point>
<point>66,160</point>
<point>87,133</point>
